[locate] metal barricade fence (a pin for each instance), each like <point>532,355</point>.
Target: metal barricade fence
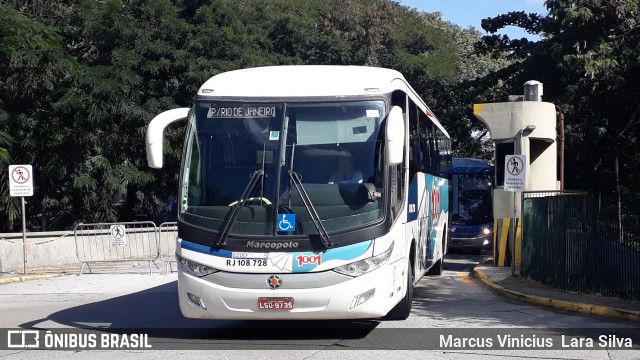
<point>167,234</point>
<point>116,242</point>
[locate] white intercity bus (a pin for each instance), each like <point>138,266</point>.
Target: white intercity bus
<point>307,192</point>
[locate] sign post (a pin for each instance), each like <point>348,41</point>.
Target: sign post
<point>21,184</point>
<point>514,181</point>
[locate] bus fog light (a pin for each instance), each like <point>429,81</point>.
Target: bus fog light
<point>196,300</point>
<point>486,242</point>
<point>362,298</point>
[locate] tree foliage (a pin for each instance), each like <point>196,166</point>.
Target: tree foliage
<point>588,62</point>
<point>81,79</point>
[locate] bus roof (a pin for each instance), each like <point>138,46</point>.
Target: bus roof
<point>310,80</point>
<point>301,80</point>
<point>469,166</point>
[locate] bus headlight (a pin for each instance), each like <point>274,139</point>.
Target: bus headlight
<point>486,231</point>
<point>194,268</point>
<point>364,266</point>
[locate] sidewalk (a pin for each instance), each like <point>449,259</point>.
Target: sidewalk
<point>499,279</point>
<point>133,267</point>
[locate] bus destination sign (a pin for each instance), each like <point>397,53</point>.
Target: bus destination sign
<point>245,111</point>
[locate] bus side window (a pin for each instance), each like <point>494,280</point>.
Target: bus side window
<point>445,155</point>
<point>396,174</point>
<point>415,150</point>
<point>429,145</point>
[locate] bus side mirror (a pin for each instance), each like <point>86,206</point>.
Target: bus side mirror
<point>394,147</point>
<point>155,138</point>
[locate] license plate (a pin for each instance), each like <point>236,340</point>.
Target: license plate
<point>278,303</point>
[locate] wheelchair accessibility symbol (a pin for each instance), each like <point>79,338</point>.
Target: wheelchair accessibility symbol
<point>287,222</point>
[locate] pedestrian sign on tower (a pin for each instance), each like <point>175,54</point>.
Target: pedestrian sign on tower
<point>515,172</point>
<point>20,180</point>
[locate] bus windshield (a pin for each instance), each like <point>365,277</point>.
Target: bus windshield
<point>331,147</point>
<point>474,205</point>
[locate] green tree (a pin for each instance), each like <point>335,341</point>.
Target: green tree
<point>29,70</point>
<point>588,62</point>
<point>83,78</point>
<point>474,80</point>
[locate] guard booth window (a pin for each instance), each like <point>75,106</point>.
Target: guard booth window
<point>502,149</point>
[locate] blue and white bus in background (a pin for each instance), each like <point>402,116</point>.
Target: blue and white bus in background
<point>472,205</point>
<point>307,192</point>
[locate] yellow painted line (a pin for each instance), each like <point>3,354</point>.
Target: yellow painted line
<point>21,278</point>
<point>504,236</point>
<point>465,277</point>
<point>558,304</point>
<point>477,109</point>
<point>495,235</point>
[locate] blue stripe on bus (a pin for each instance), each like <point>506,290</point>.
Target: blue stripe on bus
<point>342,253</point>
<point>205,249</point>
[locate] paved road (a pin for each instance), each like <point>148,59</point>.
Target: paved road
<point>136,301</point>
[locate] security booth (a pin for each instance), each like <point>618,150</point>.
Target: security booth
<point>524,129</point>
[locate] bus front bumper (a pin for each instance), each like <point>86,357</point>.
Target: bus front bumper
<point>380,289</point>
<point>481,241</point>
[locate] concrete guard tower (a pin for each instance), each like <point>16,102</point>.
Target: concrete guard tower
<point>523,126</point>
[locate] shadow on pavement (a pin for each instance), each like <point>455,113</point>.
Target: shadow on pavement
<point>155,312</point>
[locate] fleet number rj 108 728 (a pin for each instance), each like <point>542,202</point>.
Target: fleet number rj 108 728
<point>246,262</point>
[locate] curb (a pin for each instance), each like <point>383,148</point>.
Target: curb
<point>15,279</point>
<point>565,305</point>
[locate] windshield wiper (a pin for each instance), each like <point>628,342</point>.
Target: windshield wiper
<point>297,182</point>
<point>232,216</point>
<point>235,210</point>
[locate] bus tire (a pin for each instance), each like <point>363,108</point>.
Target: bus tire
<point>402,310</point>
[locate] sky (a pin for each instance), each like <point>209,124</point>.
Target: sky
<point>465,13</point>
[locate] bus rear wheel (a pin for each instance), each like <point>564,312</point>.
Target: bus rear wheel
<point>403,309</point>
